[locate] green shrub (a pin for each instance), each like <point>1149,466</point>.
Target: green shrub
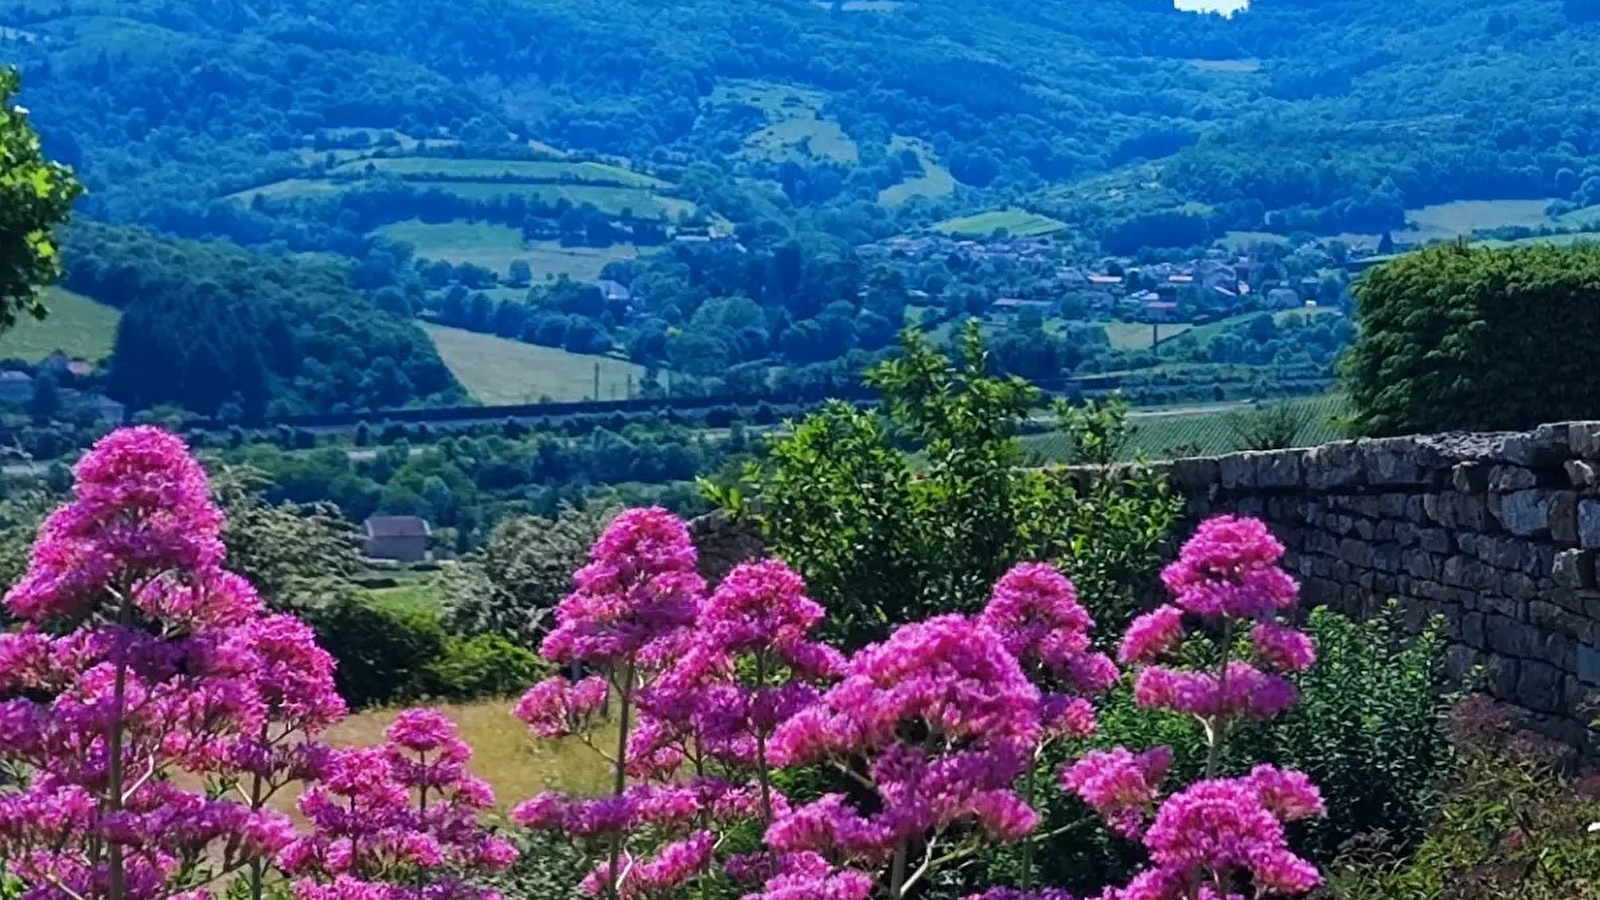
<point>1370,729</point>
<point>1512,824</point>
<point>384,651</point>
<point>1459,337</point>
<point>484,665</point>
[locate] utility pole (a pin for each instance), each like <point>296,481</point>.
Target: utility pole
<point>597,382</point>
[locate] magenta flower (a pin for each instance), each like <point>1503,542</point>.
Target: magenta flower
<point>556,707</point>
<point>1121,786</point>
<point>1282,648</point>
<point>639,586</point>
<point>1152,635</point>
<point>1221,830</point>
<point>381,815</point>
<point>1229,567</point>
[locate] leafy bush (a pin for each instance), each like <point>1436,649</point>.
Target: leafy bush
<point>1512,825</point>
<point>1459,337</point>
<point>1370,729</point>
<point>1271,427</point>
<point>384,651</point>
<point>484,665</point>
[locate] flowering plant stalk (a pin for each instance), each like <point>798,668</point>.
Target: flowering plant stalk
<point>624,621</point>
<point>1208,837</point>
<point>397,822</point>
<point>139,660</point>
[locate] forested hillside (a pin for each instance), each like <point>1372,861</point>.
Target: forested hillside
<point>709,191</point>
<point>1335,112</point>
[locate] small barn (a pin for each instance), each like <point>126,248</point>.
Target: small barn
<point>400,538</point>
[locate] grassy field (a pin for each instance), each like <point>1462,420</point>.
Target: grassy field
<point>1019,222</point>
<point>1205,333</point>
<point>495,247</point>
<point>489,169</point>
<point>1206,430</point>
<point>1136,335</point>
<point>637,201</point>
<point>796,125</point>
<point>496,370</point>
<point>77,326</point>
<point>935,180</point>
<point>1444,221</point>
<point>478,243</point>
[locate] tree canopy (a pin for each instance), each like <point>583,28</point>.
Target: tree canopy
<point>36,195</point>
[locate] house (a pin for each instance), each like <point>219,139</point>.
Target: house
<point>16,387</point>
<point>1011,307</point>
<point>613,292</point>
<point>402,538</point>
<point>1160,311</point>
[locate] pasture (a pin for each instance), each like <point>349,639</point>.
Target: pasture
<point>498,370</point>
<point>427,167</point>
<point>795,123</point>
<point>1017,222</point>
<point>1446,221</point>
<point>1202,430</point>
<point>934,182</point>
<point>77,326</point>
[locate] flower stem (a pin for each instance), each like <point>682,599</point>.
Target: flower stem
<point>119,698</point>
<point>1217,734</point>
<point>624,709</point>
<point>762,774</point>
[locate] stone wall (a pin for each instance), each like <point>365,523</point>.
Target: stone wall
<point>1498,533</point>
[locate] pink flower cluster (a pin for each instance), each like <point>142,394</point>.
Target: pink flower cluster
<point>397,822</point>
<point>1034,608</point>
<point>973,720</point>
<point>1219,833</point>
<point>1226,573</point>
<point>639,585</point>
<point>141,658</point>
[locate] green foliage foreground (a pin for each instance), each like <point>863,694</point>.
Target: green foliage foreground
<point>1470,338</point>
<point>35,196</point>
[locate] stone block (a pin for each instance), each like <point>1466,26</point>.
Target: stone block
<point>1460,661</point>
<point>1415,511</point>
<point>1581,473</point>
<point>1392,461</point>
<point>1472,629</point>
<point>1538,560</point>
<point>1508,638</point>
<point>1386,557</point>
<point>1419,564</point>
<point>1252,506</point>
<point>1237,470</point>
<point>1366,529</point>
<point>1539,687</point>
<point>1589,524</point>
<point>1433,540</point>
<point>1564,517</point>
<point>1517,586</point>
<point>1385,530</point>
<point>1197,473</point>
<point>1477,514</point>
<point>1525,513</point>
<point>1574,569</point>
<point>1502,672</point>
<point>1470,477</point>
<point>1333,466</point>
<point>1392,506</point>
<point>1280,469</point>
<point>1506,479</point>
<point>1533,449</point>
<point>1588,664</point>
<point>1443,509</point>
<point>1468,542</point>
<point>1583,439</point>
<point>1455,571</point>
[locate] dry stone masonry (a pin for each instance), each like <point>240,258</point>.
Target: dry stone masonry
<point>1497,533</point>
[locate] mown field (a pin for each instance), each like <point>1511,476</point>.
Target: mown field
<point>496,370</point>
<point>796,125</point>
<point>77,326</point>
<point>422,167</point>
<point>1018,222</point>
<point>1203,430</point>
<point>934,182</point>
<point>495,247</point>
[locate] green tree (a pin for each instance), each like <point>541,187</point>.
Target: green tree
<point>1477,339</point>
<point>523,571</point>
<point>917,507</point>
<point>35,197</point>
<point>296,555</point>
